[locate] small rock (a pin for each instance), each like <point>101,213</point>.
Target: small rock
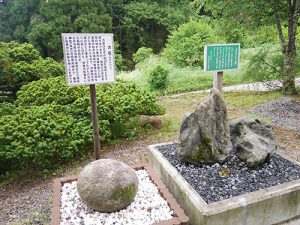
<point>253,141</point>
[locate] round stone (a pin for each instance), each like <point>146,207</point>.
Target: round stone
<point>107,185</point>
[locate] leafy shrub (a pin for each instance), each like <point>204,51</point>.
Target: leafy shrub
<point>263,65</point>
<point>119,106</point>
<point>185,45</point>
<point>41,136</point>
<point>49,91</point>
<point>6,109</point>
<point>21,64</point>
<point>230,32</point>
<point>20,52</point>
<point>158,77</point>
<point>142,54</point>
<point>52,122</point>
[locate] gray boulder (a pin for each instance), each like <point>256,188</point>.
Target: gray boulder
<point>253,141</point>
<point>107,185</point>
<point>204,134</point>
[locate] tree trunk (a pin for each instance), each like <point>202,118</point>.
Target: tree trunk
<point>288,83</point>
<point>288,47</point>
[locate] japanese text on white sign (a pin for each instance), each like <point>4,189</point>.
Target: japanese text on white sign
<point>89,58</point>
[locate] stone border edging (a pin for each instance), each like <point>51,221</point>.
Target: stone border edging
<point>179,218</point>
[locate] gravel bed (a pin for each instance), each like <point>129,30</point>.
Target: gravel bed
<point>17,203</point>
<point>222,181</point>
<point>147,208</point>
<point>283,112</point>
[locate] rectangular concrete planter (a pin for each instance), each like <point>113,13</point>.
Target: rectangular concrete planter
<point>179,216</point>
<point>263,207</point>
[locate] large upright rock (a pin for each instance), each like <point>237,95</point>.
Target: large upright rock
<point>204,134</point>
<point>253,141</point>
<point>107,185</point>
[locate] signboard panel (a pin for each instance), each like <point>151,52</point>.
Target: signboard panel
<point>220,57</point>
<point>89,58</point>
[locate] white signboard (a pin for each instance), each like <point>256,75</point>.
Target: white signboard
<point>89,58</point>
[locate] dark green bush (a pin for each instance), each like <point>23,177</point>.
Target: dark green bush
<point>6,109</point>
<point>158,77</point>
<point>119,105</point>
<point>49,91</point>
<point>21,64</point>
<point>52,123</point>
<point>41,136</point>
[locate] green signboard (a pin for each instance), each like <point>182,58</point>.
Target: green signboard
<point>220,57</point>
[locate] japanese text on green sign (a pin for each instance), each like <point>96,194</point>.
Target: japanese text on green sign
<point>221,57</point>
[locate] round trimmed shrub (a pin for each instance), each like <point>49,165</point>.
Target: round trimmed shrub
<point>185,45</point>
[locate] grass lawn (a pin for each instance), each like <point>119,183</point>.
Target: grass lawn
<point>192,78</point>
<point>237,102</point>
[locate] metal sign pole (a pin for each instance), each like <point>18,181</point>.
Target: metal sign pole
<point>95,121</point>
<point>218,80</point>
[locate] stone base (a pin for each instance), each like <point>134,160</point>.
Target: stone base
<point>179,217</point>
<point>272,205</point>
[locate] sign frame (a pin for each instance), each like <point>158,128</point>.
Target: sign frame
<point>85,35</point>
<point>221,45</point>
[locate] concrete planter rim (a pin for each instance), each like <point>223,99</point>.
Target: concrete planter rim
<point>220,207</point>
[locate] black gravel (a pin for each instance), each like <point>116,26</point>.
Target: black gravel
<point>213,185</point>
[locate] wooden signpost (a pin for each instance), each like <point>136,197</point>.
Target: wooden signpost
<point>89,60</point>
<point>220,57</point>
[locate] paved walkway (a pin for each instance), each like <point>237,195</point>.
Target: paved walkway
<point>259,86</point>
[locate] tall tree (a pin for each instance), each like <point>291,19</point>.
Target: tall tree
<point>288,47</point>
<point>257,12</point>
<point>15,16</point>
<point>56,17</point>
<point>146,22</point>
<point>5,30</point>
<point>20,16</point>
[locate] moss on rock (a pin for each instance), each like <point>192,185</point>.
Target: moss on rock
<point>204,151</point>
<point>126,194</point>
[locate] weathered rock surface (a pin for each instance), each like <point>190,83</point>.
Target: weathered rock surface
<point>107,185</point>
<point>253,141</point>
<point>204,134</point>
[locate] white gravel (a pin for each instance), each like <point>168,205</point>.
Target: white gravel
<point>147,208</point>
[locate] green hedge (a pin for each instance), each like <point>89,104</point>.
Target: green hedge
<point>52,122</point>
<point>41,136</point>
